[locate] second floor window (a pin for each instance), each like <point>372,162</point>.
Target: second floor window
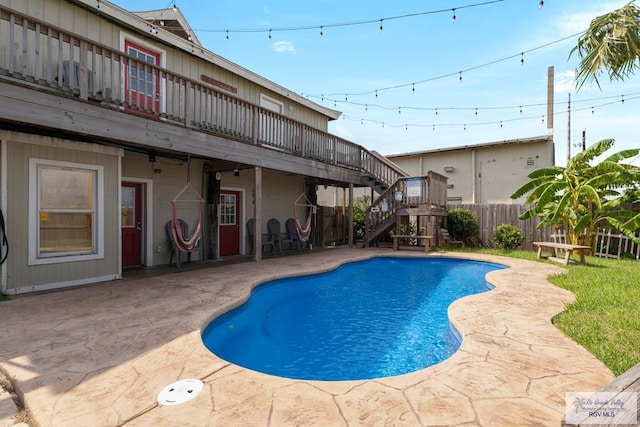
<point>142,84</point>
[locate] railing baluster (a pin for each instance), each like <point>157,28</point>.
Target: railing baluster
<point>48,66</point>
<point>25,48</point>
<point>36,60</point>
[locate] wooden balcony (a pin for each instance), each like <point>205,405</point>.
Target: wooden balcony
<point>53,64</point>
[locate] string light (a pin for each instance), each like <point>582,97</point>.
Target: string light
<point>460,78</point>
<point>541,4</point>
<point>381,29</point>
<point>321,32</point>
<point>486,64</point>
<point>520,107</point>
<point>353,23</point>
<point>521,58</point>
<point>453,18</point>
<point>227,35</point>
<point>413,87</point>
<point>500,122</point>
<point>175,8</point>
<point>269,34</point>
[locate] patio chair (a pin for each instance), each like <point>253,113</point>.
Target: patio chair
<point>266,239</point>
<point>275,235</point>
<point>292,235</point>
<point>174,248</point>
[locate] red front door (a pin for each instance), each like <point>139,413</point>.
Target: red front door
<point>229,220</point>
<point>131,212</point>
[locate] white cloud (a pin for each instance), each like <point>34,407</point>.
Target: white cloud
<point>565,81</point>
<point>579,21</point>
<point>284,47</point>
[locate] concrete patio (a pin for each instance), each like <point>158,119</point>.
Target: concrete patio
<point>99,355</point>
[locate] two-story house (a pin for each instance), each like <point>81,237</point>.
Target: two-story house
<point>107,116</point>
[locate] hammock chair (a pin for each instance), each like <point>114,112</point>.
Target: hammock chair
<point>304,232</point>
<point>186,240</point>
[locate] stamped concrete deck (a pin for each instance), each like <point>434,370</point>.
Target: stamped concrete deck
<point>99,355</point>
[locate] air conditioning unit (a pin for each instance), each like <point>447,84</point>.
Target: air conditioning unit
<point>449,168</point>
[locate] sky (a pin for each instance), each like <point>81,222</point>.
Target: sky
<point>426,82</point>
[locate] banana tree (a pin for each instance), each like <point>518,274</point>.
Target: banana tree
<point>580,195</point>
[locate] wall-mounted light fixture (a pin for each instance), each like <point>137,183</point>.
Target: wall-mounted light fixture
<point>152,156</point>
<point>236,171</point>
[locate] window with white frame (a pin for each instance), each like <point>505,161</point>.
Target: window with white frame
<point>65,221</point>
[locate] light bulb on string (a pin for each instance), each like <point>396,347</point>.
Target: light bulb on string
<point>175,8</point>
<point>346,97</point>
<point>406,127</point>
<point>321,32</point>
<point>434,128</point>
<point>476,111</point>
<point>622,98</point>
<point>460,78</point>
<point>413,87</point>
<point>382,124</point>
<point>521,110</point>
<point>436,111</point>
<point>376,94</point>
<point>542,119</point>
<point>521,58</point>
<point>269,34</point>
<point>361,121</point>
<point>227,35</point>
<point>399,110</point>
<point>453,18</point>
<point>465,127</point>
<point>381,29</point>
<point>366,107</point>
<point>541,4</point>
<point>500,124</point>
<point>592,111</point>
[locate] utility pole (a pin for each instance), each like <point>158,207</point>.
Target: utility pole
<point>569,129</point>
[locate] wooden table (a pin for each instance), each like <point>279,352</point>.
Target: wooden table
<point>398,237</point>
<point>569,249</point>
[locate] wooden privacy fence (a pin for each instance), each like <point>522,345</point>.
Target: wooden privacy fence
<point>491,215</point>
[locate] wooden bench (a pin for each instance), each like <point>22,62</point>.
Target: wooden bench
<point>398,237</point>
<point>569,249</point>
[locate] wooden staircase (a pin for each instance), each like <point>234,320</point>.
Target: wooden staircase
<point>407,197</point>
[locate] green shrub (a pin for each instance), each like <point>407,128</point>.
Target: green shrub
<point>508,236</point>
<point>359,213</point>
<point>461,224</point>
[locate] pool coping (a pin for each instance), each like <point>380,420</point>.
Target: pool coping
<point>99,355</point>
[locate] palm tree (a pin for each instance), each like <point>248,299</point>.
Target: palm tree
<point>611,43</point>
<point>579,196</point>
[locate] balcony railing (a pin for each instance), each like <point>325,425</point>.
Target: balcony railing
<point>65,63</point>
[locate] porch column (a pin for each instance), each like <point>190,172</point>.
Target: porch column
<point>257,213</point>
<point>350,215</point>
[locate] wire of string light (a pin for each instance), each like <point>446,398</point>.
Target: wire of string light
<point>622,99</point>
<point>322,27</point>
<point>431,79</point>
<point>476,109</point>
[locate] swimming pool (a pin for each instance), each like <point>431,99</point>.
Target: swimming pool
<point>381,317</point>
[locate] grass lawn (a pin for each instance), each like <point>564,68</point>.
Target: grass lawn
<point>605,318</point>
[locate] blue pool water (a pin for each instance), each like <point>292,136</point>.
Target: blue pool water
<point>369,319</point>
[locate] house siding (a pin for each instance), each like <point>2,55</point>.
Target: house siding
<point>22,277</point>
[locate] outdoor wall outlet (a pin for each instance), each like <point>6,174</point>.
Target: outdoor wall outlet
<point>158,249</point>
